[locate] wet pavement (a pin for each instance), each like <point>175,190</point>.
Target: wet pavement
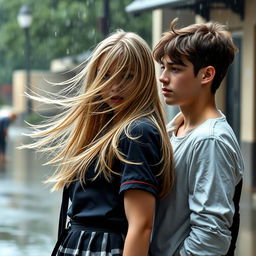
<point>29,211</point>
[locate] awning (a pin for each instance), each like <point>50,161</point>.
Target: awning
<point>143,5</point>
<point>201,7</point>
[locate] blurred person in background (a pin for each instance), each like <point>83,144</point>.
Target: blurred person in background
<point>4,124</point>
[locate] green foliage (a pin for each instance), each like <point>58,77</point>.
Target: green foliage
<point>60,28</point>
<point>140,24</point>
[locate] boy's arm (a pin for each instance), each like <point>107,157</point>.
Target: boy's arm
<point>139,209</point>
<point>213,176</point>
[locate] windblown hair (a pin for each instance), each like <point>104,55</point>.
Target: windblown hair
<point>203,45</point>
<point>89,130</point>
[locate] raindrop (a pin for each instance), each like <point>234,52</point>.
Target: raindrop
<point>64,13</point>
<point>67,51</point>
<point>91,34</point>
<point>68,23</point>
<point>55,33</point>
<point>81,15</point>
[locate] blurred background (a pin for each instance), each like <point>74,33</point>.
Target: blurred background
<point>46,40</point>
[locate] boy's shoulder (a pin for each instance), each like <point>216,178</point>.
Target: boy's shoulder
<point>211,129</point>
<point>216,128</point>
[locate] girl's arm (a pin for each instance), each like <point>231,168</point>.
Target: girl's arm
<point>139,209</point>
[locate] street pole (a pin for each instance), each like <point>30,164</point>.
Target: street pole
<point>25,19</point>
<point>106,18</point>
<point>27,62</point>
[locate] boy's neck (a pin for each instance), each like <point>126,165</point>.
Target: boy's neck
<point>195,116</point>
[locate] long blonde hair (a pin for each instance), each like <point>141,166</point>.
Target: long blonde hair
<point>88,130</point>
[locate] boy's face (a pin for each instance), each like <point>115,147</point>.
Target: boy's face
<point>180,86</point>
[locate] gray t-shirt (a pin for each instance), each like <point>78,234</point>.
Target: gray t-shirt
<point>194,219</point>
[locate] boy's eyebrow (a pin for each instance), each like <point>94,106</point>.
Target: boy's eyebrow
<point>171,63</point>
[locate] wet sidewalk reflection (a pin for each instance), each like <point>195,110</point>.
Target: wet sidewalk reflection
<point>29,212</point>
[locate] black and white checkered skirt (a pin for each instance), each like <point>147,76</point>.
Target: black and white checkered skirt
<point>83,241</point>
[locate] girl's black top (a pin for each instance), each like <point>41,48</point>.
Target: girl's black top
<point>100,201</point>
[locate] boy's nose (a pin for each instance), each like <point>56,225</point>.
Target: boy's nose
<point>164,79</point>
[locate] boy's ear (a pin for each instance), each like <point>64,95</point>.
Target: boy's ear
<point>208,74</point>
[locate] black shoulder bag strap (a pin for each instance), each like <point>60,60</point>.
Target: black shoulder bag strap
<point>62,220</point>
<point>236,219</point>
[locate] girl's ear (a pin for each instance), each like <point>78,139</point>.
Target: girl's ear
<point>208,74</point>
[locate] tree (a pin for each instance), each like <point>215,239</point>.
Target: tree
<point>140,23</point>
<point>60,28</point>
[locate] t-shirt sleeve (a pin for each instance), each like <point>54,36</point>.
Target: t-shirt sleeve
<point>145,152</point>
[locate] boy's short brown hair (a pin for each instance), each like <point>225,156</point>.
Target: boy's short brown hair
<point>203,45</point>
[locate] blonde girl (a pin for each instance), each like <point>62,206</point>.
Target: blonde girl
<point>112,150</point>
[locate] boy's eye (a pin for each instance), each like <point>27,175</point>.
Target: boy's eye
<point>173,69</point>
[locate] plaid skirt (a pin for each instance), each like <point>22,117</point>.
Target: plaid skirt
<point>83,241</point>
